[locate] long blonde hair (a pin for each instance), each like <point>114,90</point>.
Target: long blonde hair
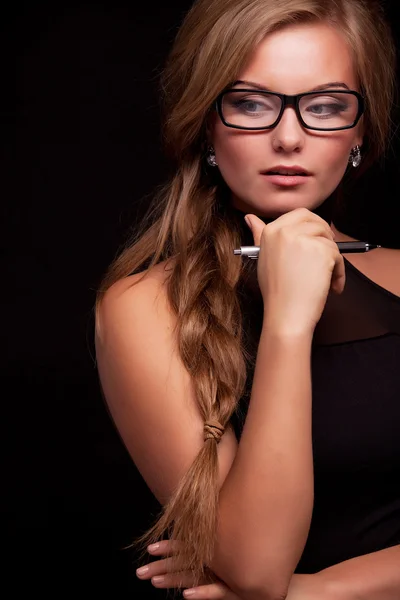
<point>192,221</point>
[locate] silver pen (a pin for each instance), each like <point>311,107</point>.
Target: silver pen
<point>253,251</point>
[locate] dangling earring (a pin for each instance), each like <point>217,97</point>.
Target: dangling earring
<point>355,157</point>
<point>211,157</point>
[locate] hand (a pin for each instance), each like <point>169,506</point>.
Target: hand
<point>302,587</point>
<point>211,587</point>
<point>298,264</point>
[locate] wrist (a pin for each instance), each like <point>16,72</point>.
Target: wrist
<point>287,330</point>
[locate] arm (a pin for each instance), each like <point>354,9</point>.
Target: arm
<point>267,498</point>
<point>374,576</point>
<point>266,481</point>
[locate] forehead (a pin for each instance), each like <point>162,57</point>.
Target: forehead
<point>299,57</point>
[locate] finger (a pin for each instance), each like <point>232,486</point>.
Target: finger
<point>302,220</point>
<point>182,579</point>
<point>212,591</point>
<point>315,224</point>
<point>256,226</point>
<point>299,215</point>
<point>159,567</point>
<point>339,275</point>
<point>338,280</point>
<point>164,548</point>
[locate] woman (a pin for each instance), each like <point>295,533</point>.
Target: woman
<point>205,357</point>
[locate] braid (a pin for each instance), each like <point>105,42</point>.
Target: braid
<point>202,291</point>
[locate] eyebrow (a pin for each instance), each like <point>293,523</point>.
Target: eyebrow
<point>323,86</point>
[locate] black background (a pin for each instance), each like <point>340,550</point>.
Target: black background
<point>80,153</point>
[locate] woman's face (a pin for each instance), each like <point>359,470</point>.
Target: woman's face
<point>292,60</point>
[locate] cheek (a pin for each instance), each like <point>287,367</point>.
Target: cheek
<point>239,156</point>
<point>332,159</point>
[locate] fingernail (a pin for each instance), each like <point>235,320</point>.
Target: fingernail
<point>247,221</point>
<point>142,571</point>
<point>153,547</point>
<point>188,593</point>
<point>158,579</point>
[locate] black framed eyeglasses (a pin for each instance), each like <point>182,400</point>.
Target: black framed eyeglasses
<point>255,110</point>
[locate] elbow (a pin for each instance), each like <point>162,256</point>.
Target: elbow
<point>257,594</point>
<point>251,572</point>
<point>253,590</point>
<point>251,581</point>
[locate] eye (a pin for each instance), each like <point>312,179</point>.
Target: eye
<point>326,109</point>
<point>251,105</point>
<point>324,106</point>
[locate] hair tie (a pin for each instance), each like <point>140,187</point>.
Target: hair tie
<point>213,429</point>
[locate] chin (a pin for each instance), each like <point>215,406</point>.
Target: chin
<point>280,207</point>
<point>276,203</point>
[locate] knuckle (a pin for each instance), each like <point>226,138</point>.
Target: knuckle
<point>164,545</point>
<point>266,232</point>
<point>330,245</point>
<point>300,210</point>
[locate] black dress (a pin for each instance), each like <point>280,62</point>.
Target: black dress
<point>355,421</point>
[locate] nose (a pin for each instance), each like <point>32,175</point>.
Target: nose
<point>288,135</point>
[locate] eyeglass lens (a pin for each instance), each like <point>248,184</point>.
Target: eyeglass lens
<point>321,110</point>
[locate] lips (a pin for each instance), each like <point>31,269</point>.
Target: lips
<point>284,177</point>
<point>287,171</point>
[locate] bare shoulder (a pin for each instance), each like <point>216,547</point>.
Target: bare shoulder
<point>136,295</point>
<point>149,391</point>
<point>150,279</point>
